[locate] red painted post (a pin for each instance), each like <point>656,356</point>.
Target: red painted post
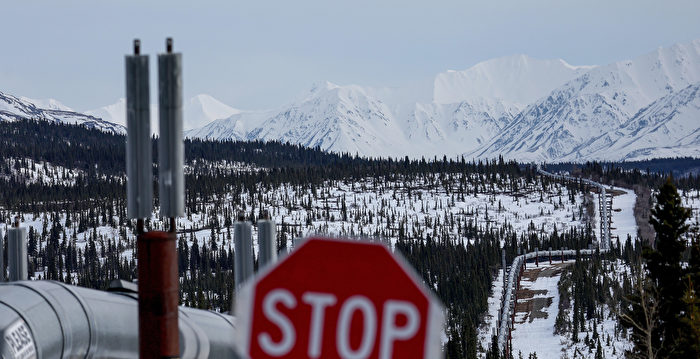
<point>158,283</point>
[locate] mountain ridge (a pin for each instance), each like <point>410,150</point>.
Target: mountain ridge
<point>516,107</point>
<point>13,108</point>
<point>584,111</point>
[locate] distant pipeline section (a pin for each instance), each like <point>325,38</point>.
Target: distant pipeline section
<point>512,275</point>
<point>48,319</point>
<point>602,203</point>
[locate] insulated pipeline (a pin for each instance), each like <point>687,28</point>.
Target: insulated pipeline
<point>47,319</point>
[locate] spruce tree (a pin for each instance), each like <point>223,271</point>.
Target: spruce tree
<point>663,263</point>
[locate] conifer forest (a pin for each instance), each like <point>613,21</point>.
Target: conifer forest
<point>451,218</point>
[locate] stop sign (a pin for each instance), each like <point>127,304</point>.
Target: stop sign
<point>334,298</point>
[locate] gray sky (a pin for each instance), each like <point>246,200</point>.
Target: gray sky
<point>260,54</point>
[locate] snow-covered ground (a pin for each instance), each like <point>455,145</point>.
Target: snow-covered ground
<point>614,341</point>
<point>490,322</point>
<point>29,171</point>
<point>538,298</point>
<point>623,222</point>
<point>536,311</point>
<point>426,206</point>
<point>691,199</point>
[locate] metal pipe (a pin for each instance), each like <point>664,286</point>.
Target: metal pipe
<point>2,255</point>
<point>157,255</point>
<point>139,153</point>
<point>171,152</point>
<point>64,321</point>
<point>17,252</point>
<point>243,246</point>
<point>266,242</point>
<point>158,295</point>
<point>503,265</point>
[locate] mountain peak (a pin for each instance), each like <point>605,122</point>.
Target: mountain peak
<point>320,86</point>
<point>516,80</point>
<point>47,104</point>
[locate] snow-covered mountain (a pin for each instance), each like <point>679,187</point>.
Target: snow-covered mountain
<point>666,128</point>
<point>332,117</point>
<point>115,113</point>
<point>49,104</point>
<point>423,120</point>
<point>517,107</point>
<point>197,112</point>
<point>203,109</point>
<point>518,80</point>
<point>13,108</point>
<point>589,113</point>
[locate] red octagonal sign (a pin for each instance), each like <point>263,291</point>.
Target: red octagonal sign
<point>334,298</point>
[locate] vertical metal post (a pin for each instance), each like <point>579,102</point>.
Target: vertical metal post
<point>2,255</point>
<point>171,153</point>
<point>139,153</point>
<point>550,255</point>
<point>503,265</point>
<point>266,242</point>
<point>158,295</point>
<point>537,256</point>
<point>243,246</point>
<point>157,254</point>
<point>17,252</point>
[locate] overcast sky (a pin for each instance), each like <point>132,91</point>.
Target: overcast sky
<point>261,54</point>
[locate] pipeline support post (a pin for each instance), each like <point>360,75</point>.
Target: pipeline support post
<point>158,264</point>
<point>503,265</point>
<point>158,295</point>
<point>243,251</point>
<point>157,255</point>
<point>17,252</point>
<point>2,256</point>
<point>171,147</point>
<point>266,241</point>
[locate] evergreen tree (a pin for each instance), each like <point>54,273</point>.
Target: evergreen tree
<point>663,263</point>
<point>658,314</point>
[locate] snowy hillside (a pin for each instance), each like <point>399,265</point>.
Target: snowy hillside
<point>13,108</point>
<point>518,107</point>
<point>49,104</point>
<point>668,127</point>
<point>602,101</point>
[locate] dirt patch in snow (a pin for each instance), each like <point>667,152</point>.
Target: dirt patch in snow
<point>532,304</point>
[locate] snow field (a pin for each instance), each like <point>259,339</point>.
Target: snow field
<point>623,222</point>
<point>535,333</point>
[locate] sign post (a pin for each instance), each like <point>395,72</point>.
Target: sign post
<point>333,298</point>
